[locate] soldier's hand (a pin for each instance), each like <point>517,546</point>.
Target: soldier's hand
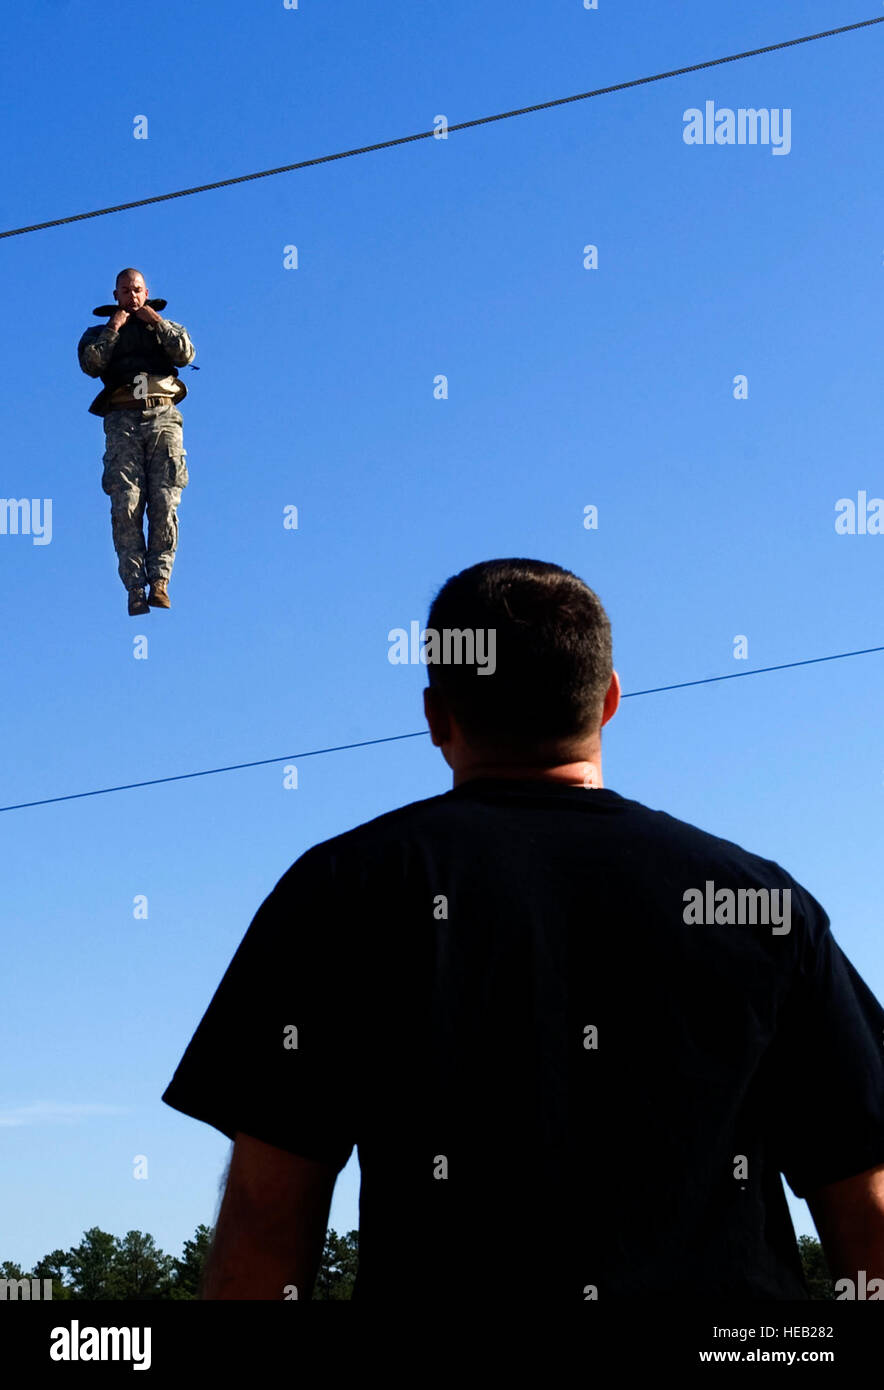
<point>147,315</point>
<point>117,320</point>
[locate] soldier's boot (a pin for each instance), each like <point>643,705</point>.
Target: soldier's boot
<point>158,596</point>
<point>137,602</point>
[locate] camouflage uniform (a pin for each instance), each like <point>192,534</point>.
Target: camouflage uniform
<point>144,465</point>
<point>144,461</point>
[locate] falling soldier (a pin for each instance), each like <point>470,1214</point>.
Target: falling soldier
<point>136,355</point>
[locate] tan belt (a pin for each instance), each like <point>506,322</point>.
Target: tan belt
<point>145,403</point>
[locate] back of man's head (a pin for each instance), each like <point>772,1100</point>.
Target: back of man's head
<point>552,646</point>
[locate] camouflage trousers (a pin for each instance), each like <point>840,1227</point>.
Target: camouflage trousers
<point>145,466</point>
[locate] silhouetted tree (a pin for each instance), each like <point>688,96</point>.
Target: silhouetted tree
<point>139,1270</point>
<point>816,1272</point>
<point>91,1265</point>
<point>187,1271</point>
<point>337,1269</point>
<point>55,1266</point>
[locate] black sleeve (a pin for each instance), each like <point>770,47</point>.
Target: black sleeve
<point>828,1092</point>
<point>269,1057</point>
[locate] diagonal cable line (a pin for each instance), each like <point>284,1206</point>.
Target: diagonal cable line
<point>428,134</point>
<point>211,771</point>
<point>418,733</point>
<point>755,671</point>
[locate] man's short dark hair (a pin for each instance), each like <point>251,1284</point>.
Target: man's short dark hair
<point>127,270</point>
<point>553,660</point>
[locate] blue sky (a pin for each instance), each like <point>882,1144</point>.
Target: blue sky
<point>567,388</point>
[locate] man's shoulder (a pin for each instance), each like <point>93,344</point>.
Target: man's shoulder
<point>682,850</point>
<point>694,843</point>
<point>369,843</point>
<point>389,827</point>
<point>92,331</point>
<point>367,848</point>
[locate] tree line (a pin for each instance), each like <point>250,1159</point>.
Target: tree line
<point>134,1269</point>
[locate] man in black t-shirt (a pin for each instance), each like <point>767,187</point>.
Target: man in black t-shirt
<point>576,1041</point>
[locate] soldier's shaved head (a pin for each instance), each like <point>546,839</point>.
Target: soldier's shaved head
<point>130,291</point>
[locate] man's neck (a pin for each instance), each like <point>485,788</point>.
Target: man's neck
<point>587,774</point>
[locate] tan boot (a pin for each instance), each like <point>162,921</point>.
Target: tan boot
<point>158,596</point>
<point>137,603</point>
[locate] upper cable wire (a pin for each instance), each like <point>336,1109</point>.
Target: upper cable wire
<point>428,134</point>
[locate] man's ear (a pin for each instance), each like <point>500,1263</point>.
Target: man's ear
<point>612,699</point>
<point>436,716</point>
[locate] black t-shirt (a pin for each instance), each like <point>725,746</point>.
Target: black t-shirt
<point>566,1064</point>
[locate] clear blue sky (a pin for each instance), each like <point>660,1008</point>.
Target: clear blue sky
<point>567,387</point>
